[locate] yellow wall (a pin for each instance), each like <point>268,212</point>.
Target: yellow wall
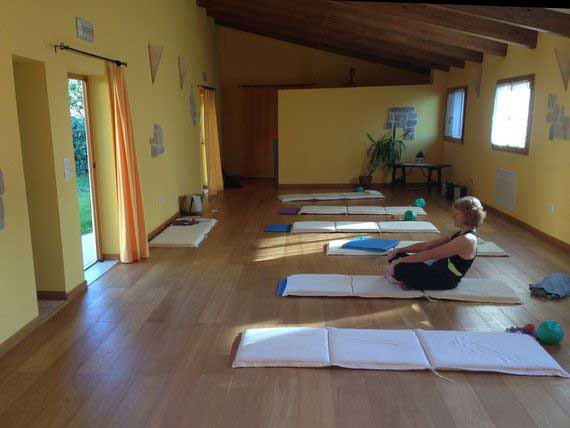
<point>123,30</point>
<point>322,132</point>
<point>248,59</point>
<point>41,191</point>
<point>544,174</point>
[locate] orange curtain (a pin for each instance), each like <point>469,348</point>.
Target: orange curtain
<point>211,139</point>
<point>260,131</point>
<point>133,243</point>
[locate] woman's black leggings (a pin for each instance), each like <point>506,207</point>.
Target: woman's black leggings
<point>421,276</point>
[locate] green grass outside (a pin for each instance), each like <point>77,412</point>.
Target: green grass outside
<point>84,197</point>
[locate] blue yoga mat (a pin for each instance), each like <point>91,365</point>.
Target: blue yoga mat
<point>283,228</point>
<point>281,287</point>
<point>371,244</point>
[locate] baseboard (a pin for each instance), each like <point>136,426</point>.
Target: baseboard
<point>163,226</point>
<point>51,295</point>
<point>549,238</point>
<point>331,186</point>
<point>77,291</point>
<point>17,337</point>
<point>111,256</point>
<point>21,334</point>
<point>62,295</point>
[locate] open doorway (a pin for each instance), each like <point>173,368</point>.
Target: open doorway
<point>84,168</point>
<point>212,177</point>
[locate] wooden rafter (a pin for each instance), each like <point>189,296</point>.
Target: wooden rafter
<point>455,22</point>
<point>532,18</point>
<point>416,37</point>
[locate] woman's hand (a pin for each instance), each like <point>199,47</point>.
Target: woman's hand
<point>394,253</point>
<point>392,267</point>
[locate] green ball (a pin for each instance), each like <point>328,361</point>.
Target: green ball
<point>360,189</point>
<point>410,215</point>
<point>550,332</point>
<point>420,203</point>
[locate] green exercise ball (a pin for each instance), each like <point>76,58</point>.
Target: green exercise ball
<point>410,215</point>
<point>420,203</point>
<point>550,332</point>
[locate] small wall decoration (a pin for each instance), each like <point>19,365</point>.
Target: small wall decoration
<point>403,117</point>
<point>557,119</point>
<point>84,30</point>
<point>156,142</point>
<point>193,109</point>
<point>1,200</point>
<point>154,55</point>
<point>182,69</point>
<point>563,57</point>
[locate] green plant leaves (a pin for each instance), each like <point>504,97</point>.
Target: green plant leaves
<point>385,152</point>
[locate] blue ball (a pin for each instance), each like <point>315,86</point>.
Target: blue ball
<point>550,332</point>
<point>420,203</point>
<point>360,189</point>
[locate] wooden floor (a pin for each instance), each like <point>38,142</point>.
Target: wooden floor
<point>149,344</point>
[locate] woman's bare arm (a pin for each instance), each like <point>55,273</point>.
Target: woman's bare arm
<point>456,246</point>
<point>423,246</point>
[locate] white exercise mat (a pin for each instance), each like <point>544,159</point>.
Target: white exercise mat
<point>313,227</point>
<point>376,349</point>
<point>509,353</point>
<point>367,194</point>
<point>366,210</point>
<point>323,209</point>
<point>283,347</point>
<point>356,226</point>
<point>402,210</point>
<point>334,248</point>
<point>377,286</point>
<point>373,349</point>
<point>184,236</point>
<point>407,226</point>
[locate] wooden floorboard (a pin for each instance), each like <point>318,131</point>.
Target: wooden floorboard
<point>150,344</point>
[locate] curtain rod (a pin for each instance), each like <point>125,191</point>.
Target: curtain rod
<point>63,47</point>
<point>207,87</point>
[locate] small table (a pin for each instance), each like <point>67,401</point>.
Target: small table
<point>429,166</point>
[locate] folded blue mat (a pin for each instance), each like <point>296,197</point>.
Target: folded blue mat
<point>371,244</point>
<point>283,228</point>
<point>281,287</point>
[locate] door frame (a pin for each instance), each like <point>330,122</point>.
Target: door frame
<point>92,166</point>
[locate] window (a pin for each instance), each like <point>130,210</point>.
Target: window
<point>455,114</point>
<point>512,114</point>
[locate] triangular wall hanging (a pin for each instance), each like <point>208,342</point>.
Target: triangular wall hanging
<point>182,69</point>
<point>154,55</point>
<point>563,57</point>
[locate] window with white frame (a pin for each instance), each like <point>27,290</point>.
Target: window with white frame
<point>512,114</point>
<point>455,114</point>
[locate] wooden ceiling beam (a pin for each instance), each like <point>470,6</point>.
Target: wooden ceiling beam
<point>417,31</point>
<point>532,18</point>
<point>339,35</point>
<point>453,21</point>
<point>316,42</point>
<point>340,39</point>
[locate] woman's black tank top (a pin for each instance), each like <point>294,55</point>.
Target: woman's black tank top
<point>456,266</point>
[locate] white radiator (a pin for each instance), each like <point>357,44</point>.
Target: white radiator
<point>506,189</point>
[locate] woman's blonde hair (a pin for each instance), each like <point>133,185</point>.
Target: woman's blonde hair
<point>472,210</point>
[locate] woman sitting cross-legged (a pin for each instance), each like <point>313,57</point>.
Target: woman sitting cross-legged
<point>453,254</point>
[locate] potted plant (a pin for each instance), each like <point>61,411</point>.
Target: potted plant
<point>383,153</point>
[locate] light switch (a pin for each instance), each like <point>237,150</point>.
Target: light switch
<point>67,168</point>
